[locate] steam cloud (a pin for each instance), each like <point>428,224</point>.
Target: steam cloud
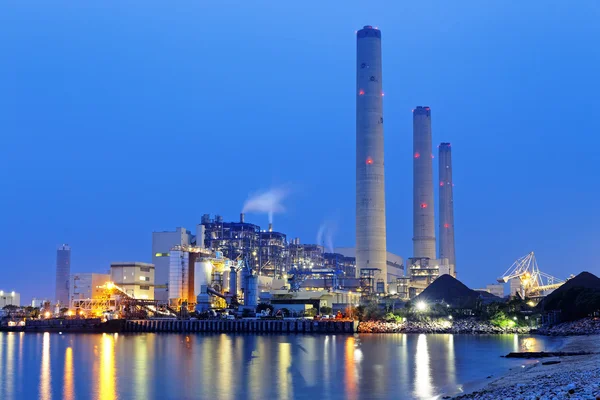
<point>269,202</point>
<point>325,234</point>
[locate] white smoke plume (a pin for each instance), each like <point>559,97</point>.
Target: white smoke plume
<point>267,202</point>
<point>325,235</point>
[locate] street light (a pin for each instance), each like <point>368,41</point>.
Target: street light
<point>421,306</point>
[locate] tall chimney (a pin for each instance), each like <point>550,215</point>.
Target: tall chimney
<point>447,249</point>
<point>423,208</point>
<point>242,218</point>
<point>370,177</point>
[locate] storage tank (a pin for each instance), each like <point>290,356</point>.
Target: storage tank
<point>202,272</point>
<point>233,281</point>
<point>251,297</point>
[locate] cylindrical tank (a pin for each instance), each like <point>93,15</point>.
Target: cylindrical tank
<point>251,299</point>
<point>233,281</point>
<point>202,272</point>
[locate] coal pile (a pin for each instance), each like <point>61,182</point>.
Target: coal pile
<point>449,290</point>
<point>577,298</point>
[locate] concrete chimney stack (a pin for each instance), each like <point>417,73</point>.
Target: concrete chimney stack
<point>242,217</point>
<point>370,186</point>
<point>446,215</point>
<point>423,208</point>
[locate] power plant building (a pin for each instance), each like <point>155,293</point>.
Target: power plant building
<point>370,176</point>
<point>134,278</point>
<point>162,243</point>
<point>63,272</point>
<point>9,299</point>
<point>87,286</point>
<point>446,223</point>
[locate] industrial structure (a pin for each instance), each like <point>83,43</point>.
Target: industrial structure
<point>370,176</point>
<point>526,279</point>
<point>423,209</point>
<point>446,204</point>
<point>162,242</point>
<point>136,279</point>
<point>11,298</point>
<point>87,286</point>
<point>63,272</point>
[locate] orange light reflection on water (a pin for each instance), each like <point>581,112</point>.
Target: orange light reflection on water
<point>68,391</point>
<point>45,374</point>
<point>106,382</point>
<point>350,370</point>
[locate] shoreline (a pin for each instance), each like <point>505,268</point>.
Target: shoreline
<point>571,377</point>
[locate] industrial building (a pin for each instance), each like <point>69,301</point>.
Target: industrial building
<point>87,286</point>
<point>162,242</point>
<point>182,261</point>
<point>370,176</point>
<point>394,270</point>
<point>63,272</point>
<point>446,216</point>
<point>134,278</point>
<point>11,298</point>
<point>303,255</point>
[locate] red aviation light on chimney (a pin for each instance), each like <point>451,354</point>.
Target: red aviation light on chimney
<point>361,92</point>
<point>432,156</point>
<point>446,225</point>
<point>417,155</point>
<point>369,161</point>
<point>382,94</point>
<point>423,205</point>
<point>441,183</point>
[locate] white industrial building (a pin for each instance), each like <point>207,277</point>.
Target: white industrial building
<point>87,286</point>
<point>395,265</point>
<point>9,299</point>
<point>135,278</point>
<point>162,243</point>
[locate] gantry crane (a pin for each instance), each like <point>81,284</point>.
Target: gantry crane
<point>533,281</point>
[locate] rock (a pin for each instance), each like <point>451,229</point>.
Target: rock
<point>550,362</point>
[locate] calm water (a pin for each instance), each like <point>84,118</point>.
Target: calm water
<point>219,366</point>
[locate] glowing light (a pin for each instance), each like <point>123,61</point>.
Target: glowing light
<point>423,205</point>
<point>69,313</point>
<point>432,156</point>
<point>441,183</point>
<point>530,303</point>
<point>449,316</point>
<point>417,155</point>
<point>421,306</point>
<point>382,94</point>
<point>369,161</point>
<point>361,92</point>
<point>110,285</point>
<point>47,314</point>
<point>446,225</point>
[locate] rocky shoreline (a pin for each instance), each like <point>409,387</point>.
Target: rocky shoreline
<point>586,326</point>
<point>576,377</point>
<point>469,325</point>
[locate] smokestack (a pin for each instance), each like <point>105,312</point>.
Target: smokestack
<point>423,211</point>
<point>270,227</point>
<point>446,216</point>
<point>242,218</point>
<point>370,187</point>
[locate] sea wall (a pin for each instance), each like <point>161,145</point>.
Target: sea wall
<point>469,325</point>
<point>241,326</point>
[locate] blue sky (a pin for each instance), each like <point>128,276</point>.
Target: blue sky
<point>121,118</point>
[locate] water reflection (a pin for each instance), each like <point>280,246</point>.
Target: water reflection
<point>350,368</point>
<point>68,375</point>
<point>423,389</point>
<point>172,366</point>
<point>107,369</point>
<point>45,376</point>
